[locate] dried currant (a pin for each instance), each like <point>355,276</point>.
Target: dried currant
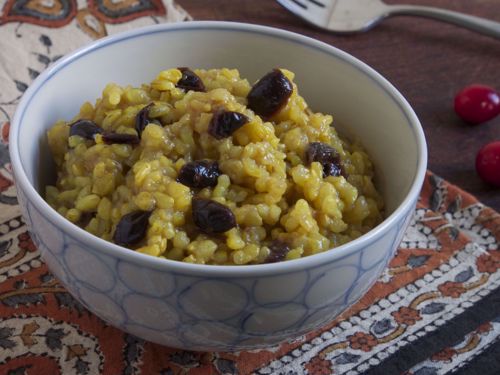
<point>211,216</point>
<point>131,228</point>
<point>190,81</point>
<point>225,123</point>
<point>142,119</point>
<point>327,156</point>
<point>279,249</point>
<point>85,128</point>
<point>332,169</point>
<point>120,138</point>
<point>270,94</point>
<point>199,174</point>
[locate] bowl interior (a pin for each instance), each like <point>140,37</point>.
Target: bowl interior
<point>363,105</point>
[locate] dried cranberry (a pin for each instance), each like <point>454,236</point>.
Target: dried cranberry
<point>85,128</point>
<point>190,81</point>
<point>279,249</point>
<point>488,163</point>
<point>327,156</point>
<point>131,228</point>
<point>270,94</point>
<point>211,216</point>
<point>111,138</point>
<point>225,123</point>
<point>477,103</point>
<point>142,119</point>
<point>199,174</point>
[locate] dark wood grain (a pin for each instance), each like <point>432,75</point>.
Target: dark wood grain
<point>428,61</point>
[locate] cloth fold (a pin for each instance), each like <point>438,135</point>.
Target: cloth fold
<point>434,310</point>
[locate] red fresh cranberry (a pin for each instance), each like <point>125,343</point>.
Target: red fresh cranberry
<point>477,103</point>
<point>488,163</point>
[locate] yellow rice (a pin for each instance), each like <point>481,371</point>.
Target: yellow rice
<point>272,192</point>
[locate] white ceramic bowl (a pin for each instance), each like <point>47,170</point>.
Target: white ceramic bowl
<point>201,307</point>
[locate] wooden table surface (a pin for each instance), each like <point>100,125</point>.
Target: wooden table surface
<point>428,61</point>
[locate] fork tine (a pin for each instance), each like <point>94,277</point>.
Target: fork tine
<point>313,11</point>
<point>301,9</point>
<point>321,4</point>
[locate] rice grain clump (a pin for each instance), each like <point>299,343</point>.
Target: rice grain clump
<point>201,167</point>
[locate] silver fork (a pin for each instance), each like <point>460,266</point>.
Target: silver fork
<point>350,16</point>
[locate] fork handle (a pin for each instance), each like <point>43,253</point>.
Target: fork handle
<point>478,24</point>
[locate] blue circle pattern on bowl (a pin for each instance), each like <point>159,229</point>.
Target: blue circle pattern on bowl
<point>178,310</point>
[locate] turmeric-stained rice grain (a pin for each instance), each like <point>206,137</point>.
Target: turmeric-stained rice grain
<point>265,179</point>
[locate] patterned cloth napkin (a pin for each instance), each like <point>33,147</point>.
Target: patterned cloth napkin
<point>435,309</point>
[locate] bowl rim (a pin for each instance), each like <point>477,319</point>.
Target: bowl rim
<point>80,235</point>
